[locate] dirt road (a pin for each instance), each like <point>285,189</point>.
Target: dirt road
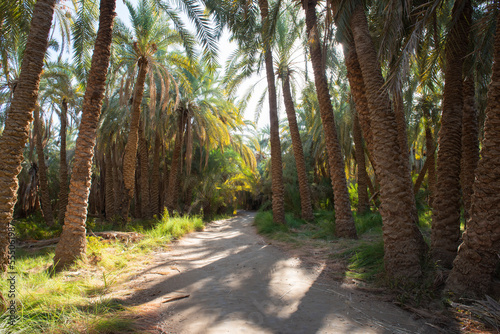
<point>237,283</point>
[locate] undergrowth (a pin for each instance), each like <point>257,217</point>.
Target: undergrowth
<point>75,301</point>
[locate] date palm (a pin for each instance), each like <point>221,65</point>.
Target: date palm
<point>446,203</point>
<point>344,221</point>
<point>19,116</point>
<point>477,256</point>
<point>72,244</point>
<point>42,170</point>
<point>398,204</point>
<point>142,50</point>
<point>61,90</point>
<point>284,46</point>
<point>241,18</point>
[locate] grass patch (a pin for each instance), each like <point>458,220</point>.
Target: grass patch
<point>75,301</point>
<point>366,261</point>
<point>266,225</point>
<point>370,221</point>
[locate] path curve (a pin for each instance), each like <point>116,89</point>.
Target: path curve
<point>237,283</point>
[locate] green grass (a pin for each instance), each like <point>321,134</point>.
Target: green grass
<point>366,261</point>
<point>368,222</point>
<point>266,225</point>
<point>74,301</point>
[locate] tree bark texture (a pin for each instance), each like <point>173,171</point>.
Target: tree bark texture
<point>344,221</point>
<point>420,179</point>
<point>172,190</point>
<point>477,257</point>
<point>63,165</point>
<point>363,200</point>
<point>445,233</point>
<point>144,165</point>
<point>430,146</point>
<point>298,151</point>
<point>43,181</point>
<point>19,116</point>
<point>117,179</point>
<point>130,157</point>
<point>470,145</point>
<point>155,176</point>
<point>403,243</point>
<point>278,191</point>
<point>108,183</point>
<point>73,243</point>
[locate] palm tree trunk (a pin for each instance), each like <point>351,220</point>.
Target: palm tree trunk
<point>63,165</point>
<point>130,158</point>
<point>358,91</point>
<point>19,116</point>
<point>277,187</point>
<point>470,145</point>
<point>117,182</point>
<point>403,243</point>
<point>363,200</point>
<point>431,156</point>
<point>429,161</point>
<point>172,191</point>
<point>298,151</point>
<point>477,257</point>
<point>144,165</point>
<point>446,203</point>
<point>399,113</point>
<point>344,221</point>
<point>42,172</point>
<point>108,183</point>
<point>155,176</point>
<point>72,244</point>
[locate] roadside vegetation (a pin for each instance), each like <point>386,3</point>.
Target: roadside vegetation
<point>79,299</point>
<point>388,156</point>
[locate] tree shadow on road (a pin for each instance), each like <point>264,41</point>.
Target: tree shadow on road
<point>239,283</point>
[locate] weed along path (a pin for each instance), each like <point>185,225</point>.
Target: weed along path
<point>227,279</point>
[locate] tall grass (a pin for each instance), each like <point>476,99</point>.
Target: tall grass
<point>76,300</point>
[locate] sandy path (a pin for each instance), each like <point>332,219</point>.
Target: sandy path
<point>239,284</point>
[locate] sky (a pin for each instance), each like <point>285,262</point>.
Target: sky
<point>226,48</point>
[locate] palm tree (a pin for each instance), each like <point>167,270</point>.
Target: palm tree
<point>142,49</point>
<point>403,242</point>
<point>59,89</point>
<point>19,116</point>
<point>284,44</point>
<point>172,193</point>
<point>470,144</point>
<point>72,244</point>
<point>477,256</point>
<point>344,221</point>
<point>42,171</point>
<point>276,162</point>
<point>363,200</point>
<point>241,19</point>
<point>446,202</point>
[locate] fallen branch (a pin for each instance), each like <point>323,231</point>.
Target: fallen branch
<point>172,298</point>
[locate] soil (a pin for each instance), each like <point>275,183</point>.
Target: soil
<point>228,279</point>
